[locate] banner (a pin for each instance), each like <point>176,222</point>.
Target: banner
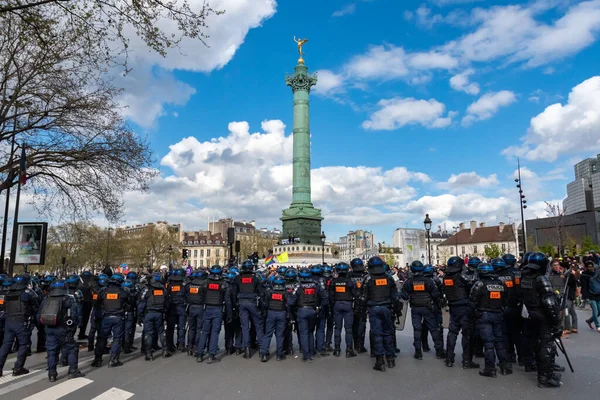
<point>31,243</point>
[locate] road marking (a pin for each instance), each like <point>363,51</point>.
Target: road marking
<point>60,390</point>
<point>9,378</point>
<point>114,394</point>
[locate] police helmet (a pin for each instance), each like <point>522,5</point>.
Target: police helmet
<point>417,267</point>
<point>132,276</point>
<point>21,280</point>
<point>291,274</point>
<point>357,265</point>
<point>247,266</point>
<point>127,284</point>
<point>510,260</point>
<point>200,274</point>
<point>58,284</point>
<point>485,269</point>
<point>342,268</point>
<point>455,264</point>
<point>87,274</point>
<point>281,270</point>
<point>73,280</point>
<point>525,259</point>
<point>7,282</point>
<point>473,263</point>
<point>278,280</point>
<point>537,261</point>
<point>3,277</point>
<point>304,273</point>
<point>261,276</point>
<point>498,264</point>
<point>118,278</point>
<point>327,271</point>
<point>216,270</point>
<point>230,275</point>
<point>156,277</point>
<point>375,266</point>
<point>316,270</point>
<point>428,271</point>
<point>235,270</point>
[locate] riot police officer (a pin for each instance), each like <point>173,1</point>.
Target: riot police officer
<point>233,328</point>
<point>343,292</point>
<point>380,294</point>
<point>21,307</point>
<point>306,298</point>
<point>247,290</point>
<point>456,288</point>
<point>423,293</point>
<point>195,293</point>
<point>85,286</point>
<point>176,312</point>
<point>58,313</point>
<point>218,294</point>
<point>98,285</point>
<point>291,280</point>
<point>486,302</point>
<point>359,326</point>
<point>130,312</point>
<point>476,342</point>
<point>543,324</point>
<point>328,276</point>
<point>512,328</point>
<point>113,301</point>
<point>153,305</point>
<point>429,272</point>
<point>322,313</point>
<point>275,301</point>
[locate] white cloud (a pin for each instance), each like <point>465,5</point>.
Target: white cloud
<point>146,92</point>
<point>461,82</point>
<point>408,15</point>
<point>397,112</point>
<point>441,3</point>
<point>487,105</point>
<point>564,129</point>
<point>346,10</point>
<point>463,207</point>
<point>328,83</point>
<point>468,180</point>
<point>249,175</point>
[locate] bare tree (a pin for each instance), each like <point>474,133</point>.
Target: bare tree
<point>81,155</point>
<point>557,212</point>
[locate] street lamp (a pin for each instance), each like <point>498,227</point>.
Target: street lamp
<point>170,254</point>
<point>323,237</point>
<point>523,205</point>
<point>427,224</point>
<point>148,261</point>
<point>108,245</point>
<point>456,228</point>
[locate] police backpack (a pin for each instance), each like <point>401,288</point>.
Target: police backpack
<point>52,313</point>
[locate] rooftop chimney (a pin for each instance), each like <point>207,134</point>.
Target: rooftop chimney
<point>461,226</point>
<point>501,227</point>
<point>482,225</point>
<point>473,227</point>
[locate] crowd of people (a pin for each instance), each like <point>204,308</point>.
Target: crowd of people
<point>507,310</point>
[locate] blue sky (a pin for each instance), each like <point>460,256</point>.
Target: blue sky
<point>421,106</point>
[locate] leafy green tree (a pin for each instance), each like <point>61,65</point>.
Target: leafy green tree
<point>589,245</point>
<point>492,250</point>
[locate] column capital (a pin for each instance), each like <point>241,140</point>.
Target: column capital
<point>301,79</point>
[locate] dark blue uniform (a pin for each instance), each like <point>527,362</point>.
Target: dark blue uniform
<point>176,313</point>
<point>195,293</point>
<point>275,301</point>
<point>423,293</point>
<point>342,292</point>
<point>113,301</point>
<point>380,294</point>
<point>21,307</point>
<point>306,297</point>
<point>218,293</point>
<point>322,317</point>
<point>247,289</point>
<point>130,318</point>
<point>359,326</point>
<point>95,316</point>
<point>152,307</point>
<point>487,301</point>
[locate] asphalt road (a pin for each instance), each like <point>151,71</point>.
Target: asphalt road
<point>180,377</point>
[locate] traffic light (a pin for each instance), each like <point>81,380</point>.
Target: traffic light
<point>184,254</point>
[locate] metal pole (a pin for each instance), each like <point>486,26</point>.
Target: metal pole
<point>429,245</point>
<point>521,202</point>
<point>322,253</point>
<point>13,244</point>
<point>7,206</point>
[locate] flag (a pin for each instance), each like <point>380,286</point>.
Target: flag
<point>23,172</point>
<point>270,260</point>
<point>283,257</point>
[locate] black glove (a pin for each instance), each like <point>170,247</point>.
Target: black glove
<point>229,318</point>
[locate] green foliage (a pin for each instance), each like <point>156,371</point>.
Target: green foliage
<point>547,248</point>
<point>493,250</point>
<point>588,245</point>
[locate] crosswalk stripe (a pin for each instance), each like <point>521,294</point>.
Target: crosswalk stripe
<point>60,390</point>
<point>114,394</point>
<point>8,376</point>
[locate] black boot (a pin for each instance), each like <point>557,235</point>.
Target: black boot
<point>449,362</point>
<point>280,357</point>
<point>487,373</point>
<point>97,362</point>
<point>418,354</point>
<point>127,350</point>
<point>506,369</point>
<point>264,357</point>
<point>337,352</point>
<point>149,357</point>
<point>212,359</point>
<point>470,365</point>
<point>426,348</point>
<point>199,358</point>
<point>440,355</point>
<point>75,374</point>
<point>247,354</point>
<point>52,377</point>
<point>530,367</point>
<point>545,382</point>
<point>558,368</point>
<point>391,362</point>
<point>20,371</point>
<point>114,363</point>
<point>379,364</point>
<point>362,349</point>
<point>181,347</point>
<point>350,353</point>
<point>238,351</point>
